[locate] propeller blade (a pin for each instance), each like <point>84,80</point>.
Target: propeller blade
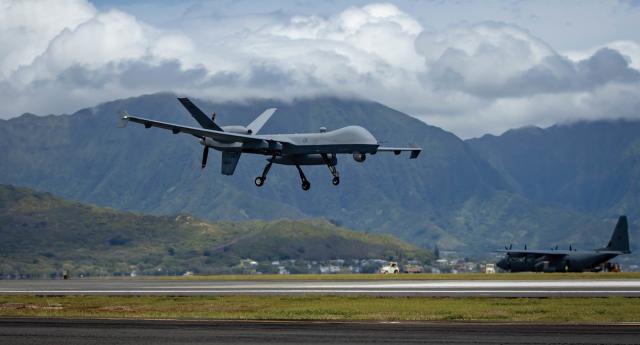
<point>205,155</point>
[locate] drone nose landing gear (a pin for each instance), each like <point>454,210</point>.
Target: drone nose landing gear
<point>259,181</point>
<point>305,183</point>
<point>332,169</point>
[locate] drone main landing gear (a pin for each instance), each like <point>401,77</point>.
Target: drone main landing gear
<point>332,169</point>
<point>259,181</point>
<point>305,183</point>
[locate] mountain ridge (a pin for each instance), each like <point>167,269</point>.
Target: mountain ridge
<point>589,166</point>
<point>452,194</point>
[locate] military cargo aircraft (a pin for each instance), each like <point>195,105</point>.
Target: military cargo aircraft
<point>571,260</point>
<point>288,149</point>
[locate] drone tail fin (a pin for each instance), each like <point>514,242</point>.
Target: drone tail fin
<point>198,115</point>
<point>229,162</point>
<point>260,121</point>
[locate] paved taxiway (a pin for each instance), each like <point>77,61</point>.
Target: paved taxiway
<point>456,288</point>
<point>71,332</point>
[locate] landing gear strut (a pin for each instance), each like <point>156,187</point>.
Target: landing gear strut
<point>305,183</point>
<point>332,169</point>
<point>259,181</point>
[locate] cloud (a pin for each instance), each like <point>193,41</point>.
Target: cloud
<point>501,76</point>
<point>629,49</point>
<point>496,60</point>
<point>471,78</point>
<point>27,27</point>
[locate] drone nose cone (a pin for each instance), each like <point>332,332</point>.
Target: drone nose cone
<point>361,133</point>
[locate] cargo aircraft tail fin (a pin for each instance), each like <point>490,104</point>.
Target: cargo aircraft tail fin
<point>620,238</point>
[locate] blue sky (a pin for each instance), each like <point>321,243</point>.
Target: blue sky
<point>471,67</point>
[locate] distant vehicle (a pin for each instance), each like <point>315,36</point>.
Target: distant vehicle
<point>490,269</point>
<point>571,260</point>
<point>391,268</point>
<point>612,267</point>
<point>320,148</point>
<point>413,269</point>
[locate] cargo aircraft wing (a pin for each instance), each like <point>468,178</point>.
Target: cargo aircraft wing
<point>535,253</point>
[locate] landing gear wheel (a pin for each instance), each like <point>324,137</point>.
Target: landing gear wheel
<point>306,185</point>
<point>259,181</point>
<point>335,181</point>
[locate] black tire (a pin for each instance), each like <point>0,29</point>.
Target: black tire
<point>259,181</point>
<point>335,181</point>
<point>306,185</point>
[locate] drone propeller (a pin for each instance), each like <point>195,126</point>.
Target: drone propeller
<point>205,155</point>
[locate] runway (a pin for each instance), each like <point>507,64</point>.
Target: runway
<point>71,332</point>
<point>436,288</point>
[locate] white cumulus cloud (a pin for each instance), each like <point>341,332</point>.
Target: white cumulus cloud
<point>470,78</point>
<point>28,26</point>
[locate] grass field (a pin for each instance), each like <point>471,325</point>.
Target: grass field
<point>425,276</point>
<point>572,310</point>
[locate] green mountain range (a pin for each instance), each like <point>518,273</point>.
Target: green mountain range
<point>44,235</point>
<point>474,196</point>
<point>591,167</point>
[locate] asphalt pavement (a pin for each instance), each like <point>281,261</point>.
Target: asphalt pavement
<point>71,332</point>
<point>438,288</point>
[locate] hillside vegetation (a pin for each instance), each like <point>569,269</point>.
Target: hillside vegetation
<point>43,235</point>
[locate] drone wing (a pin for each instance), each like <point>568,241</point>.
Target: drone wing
<point>415,151</point>
<point>198,132</point>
